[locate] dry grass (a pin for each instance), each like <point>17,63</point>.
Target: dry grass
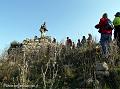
<point>54,66</point>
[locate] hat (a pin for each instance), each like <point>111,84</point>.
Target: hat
<point>117,14</point>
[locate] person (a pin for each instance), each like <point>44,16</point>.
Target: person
<point>68,43</point>
<point>35,38</point>
<point>83,41</point>
<point>116,23</point>
<point>54,40</point>
<point>106,34</point>
<point>79,44</point>
<point>89,40</point>
<point>43,29</point>
<point>73,45</point>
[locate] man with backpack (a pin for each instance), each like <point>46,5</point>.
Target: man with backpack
<point>105,29</point>
<point>116,23</point>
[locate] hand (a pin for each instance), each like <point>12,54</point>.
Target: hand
<point>97,26</point>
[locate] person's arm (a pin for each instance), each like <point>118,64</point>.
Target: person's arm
<point>98,25</point>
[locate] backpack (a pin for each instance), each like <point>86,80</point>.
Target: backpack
<point>109,25</point>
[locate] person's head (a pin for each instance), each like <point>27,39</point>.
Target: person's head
<point>35,37</point>
<point>105,15</point>
<point>117,14</point>
<point>89,34</point>
<point>78,40</point>
<point>54,39</point>
<point>83,37</point>
<point>67,38</point>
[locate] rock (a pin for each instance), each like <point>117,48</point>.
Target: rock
<point>105,73</point>
<point>101,66</point>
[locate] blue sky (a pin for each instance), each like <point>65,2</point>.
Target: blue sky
<point>20,19</point>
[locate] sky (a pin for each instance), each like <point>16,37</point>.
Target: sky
<point>21,19</point>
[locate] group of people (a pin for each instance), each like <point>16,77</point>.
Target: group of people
<point>106,26</point>
<point>80,43</point>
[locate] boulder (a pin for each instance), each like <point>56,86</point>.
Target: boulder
<point>101,66</point>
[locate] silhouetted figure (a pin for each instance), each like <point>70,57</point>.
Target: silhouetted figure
<point>79,44</point>
<point>43,29</point>
<point>54,40</point>
<point>35,38</point>
<point>68,42</point>
<point>89,40</point>
<point>83,41</point>
<point>73,45</point>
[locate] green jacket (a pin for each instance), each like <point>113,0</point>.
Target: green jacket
<point>116,21</point>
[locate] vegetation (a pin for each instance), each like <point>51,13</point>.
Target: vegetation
<point>56,66</point>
